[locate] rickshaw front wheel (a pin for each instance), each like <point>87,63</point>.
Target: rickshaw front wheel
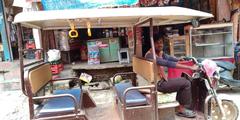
<point>230,110</point>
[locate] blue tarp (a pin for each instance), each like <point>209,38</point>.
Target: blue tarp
<point>84,4</point>
<point>3,32</point>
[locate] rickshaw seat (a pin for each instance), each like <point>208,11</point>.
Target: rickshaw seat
<point>143,106</point>
<point>132,104</point>
<point>62,105</point>
<point>133,97</point>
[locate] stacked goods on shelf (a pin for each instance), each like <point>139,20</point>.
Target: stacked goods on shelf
<point>63,40</point>
<point>30,45</point>
<point>83,50</point>
<point>170,33</point>
<point>93,53</point>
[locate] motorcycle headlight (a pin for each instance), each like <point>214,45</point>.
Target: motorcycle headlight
<point>216,76</point>
<point>196,75</point>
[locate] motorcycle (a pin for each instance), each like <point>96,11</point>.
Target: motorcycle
<point>226,76</point>
<point>215,108</point>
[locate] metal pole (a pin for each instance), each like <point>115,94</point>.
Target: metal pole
<point>209,97</point>
<point>143,21</point>
<point>42,43</point>
<point>20,51</point>
<point>155,67</point>
<point>135,34</point>
<point>135,40</point>
<point>150,20</point>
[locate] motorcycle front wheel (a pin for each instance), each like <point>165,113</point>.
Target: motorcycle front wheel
<point>230,110</point>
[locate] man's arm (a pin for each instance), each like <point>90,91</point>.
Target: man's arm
<point>194,67</point>
<point>168,63</point>
<point>161,61</point>
<point>170,58</point>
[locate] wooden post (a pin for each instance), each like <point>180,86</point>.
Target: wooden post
<point>155,68</point>
<point>20,51</point>
<point>235,20</point>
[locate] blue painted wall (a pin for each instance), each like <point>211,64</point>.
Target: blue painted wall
<point>6,50</point>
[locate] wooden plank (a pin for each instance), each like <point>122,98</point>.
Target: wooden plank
<point>213,5</point>
<point>171,47</point>
<point>187,45</point>
<point>235,21</point>
<point>99,66</point>
<point>168,105</point>
<point>207,26</point>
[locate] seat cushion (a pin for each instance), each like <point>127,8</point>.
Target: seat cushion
<point>62,105</point>
<point>133,97</point>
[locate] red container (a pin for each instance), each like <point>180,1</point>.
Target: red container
<point>176,72</point>
<point>55,69</point>
<point>60,67</point>
<point>30,46</point>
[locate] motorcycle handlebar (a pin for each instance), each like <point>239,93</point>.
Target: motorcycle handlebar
<point>191,58</point>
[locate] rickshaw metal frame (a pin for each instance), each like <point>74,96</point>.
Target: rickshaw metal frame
<point>150,20</point>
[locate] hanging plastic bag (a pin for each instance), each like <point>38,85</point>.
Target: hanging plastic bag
<point>53,55</point>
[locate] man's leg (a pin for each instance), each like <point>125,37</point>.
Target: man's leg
<point>180,85</point>
<point>183,88</point>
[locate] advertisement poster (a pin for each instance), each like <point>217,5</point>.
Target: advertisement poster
<point>84,4</point>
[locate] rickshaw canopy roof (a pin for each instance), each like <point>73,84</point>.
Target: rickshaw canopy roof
<point>107,17</point>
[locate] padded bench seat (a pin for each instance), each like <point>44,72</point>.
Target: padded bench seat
<point>62,104</point>
<point>133,97</point>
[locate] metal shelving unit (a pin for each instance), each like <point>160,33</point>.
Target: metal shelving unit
<point>212,41</point>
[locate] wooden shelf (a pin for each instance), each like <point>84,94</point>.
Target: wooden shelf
<point>179,41</point>
<point>179,53</point>
<point>212,26</point>
<point>179,45</point>
<point>219,33</point>
<point>211,44</point>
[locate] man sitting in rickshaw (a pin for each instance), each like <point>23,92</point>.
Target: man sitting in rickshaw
<point>180,85</point>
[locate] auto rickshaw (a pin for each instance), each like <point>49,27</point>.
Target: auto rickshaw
<point>36,78</point>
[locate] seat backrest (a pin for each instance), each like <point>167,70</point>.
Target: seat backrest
<point>39,76</point>
<point>144,68</point>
